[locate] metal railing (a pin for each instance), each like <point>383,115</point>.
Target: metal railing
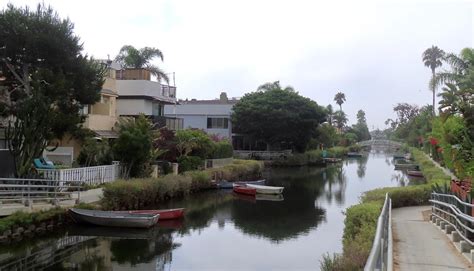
<point>381,257</point>
<point>454,212</point>
<point>27,191</point>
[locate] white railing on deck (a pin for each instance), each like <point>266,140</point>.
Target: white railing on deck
<point>87,175</point>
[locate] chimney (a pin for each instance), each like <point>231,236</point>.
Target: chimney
<point>223,97</point>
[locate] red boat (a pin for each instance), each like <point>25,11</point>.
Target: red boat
<point>165,214</point>
<point>245,190</point>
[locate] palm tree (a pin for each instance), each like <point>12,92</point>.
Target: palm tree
<point>340,118</point>
<point>460,67</point>
<point>330,113</point>
<point>432,59</point>
<point>449,98</point>
<point>340,98</point>
<point>131,57</point>
<point>274,86</point>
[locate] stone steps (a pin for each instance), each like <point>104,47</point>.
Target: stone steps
<point>464,248</point>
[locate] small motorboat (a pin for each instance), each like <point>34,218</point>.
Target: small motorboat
<point>332,160</point>
<point>224,184</point>
<point>245,190</point>
<point>415,173</point>
<point>354,154</point>
<point>165,214</point>
<point>406,166</point>
<point>399,156</point>
<point>265,189</point>
<point>114,219</point>
<point>259,182</point>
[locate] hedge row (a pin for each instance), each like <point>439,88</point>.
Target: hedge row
<point>361,219</point>
<point>139,193</point>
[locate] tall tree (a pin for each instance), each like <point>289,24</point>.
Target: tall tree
<point>340,118</point>
<point>330,113</point>
<point>360,128</point>
<point>432,59</point>
<point>47,80</point>
<point>449,99</point>
<point>340,98</point>
<point>131,57</point>
<point>274,114</point>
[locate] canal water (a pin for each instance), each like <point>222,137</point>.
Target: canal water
<point>223,231</point>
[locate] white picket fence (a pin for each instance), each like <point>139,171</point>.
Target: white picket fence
<point>86,175</point>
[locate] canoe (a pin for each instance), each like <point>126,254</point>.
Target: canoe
<point>354,154</point>
<point>265,189</point>
<point>244,190</point>
<point>113,219</point>
<point>165,214</point>
<point>415,173</point>
<point>259,182</point>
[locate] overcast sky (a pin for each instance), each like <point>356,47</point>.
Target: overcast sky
<point>370,50</point>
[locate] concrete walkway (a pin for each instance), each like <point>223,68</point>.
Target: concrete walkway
<point>88,196</point>
<point>419,245</point>
<point>445,170</point>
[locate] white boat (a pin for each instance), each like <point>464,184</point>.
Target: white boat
<point>265,189</point>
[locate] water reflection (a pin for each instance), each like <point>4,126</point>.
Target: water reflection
<point>300,225</point>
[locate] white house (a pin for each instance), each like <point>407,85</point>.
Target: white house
<point>139,95</point>
<point>212,116</point>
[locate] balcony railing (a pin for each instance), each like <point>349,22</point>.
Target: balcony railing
<point>174,124</point>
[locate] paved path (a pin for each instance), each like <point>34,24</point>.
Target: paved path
<point>419,245</point>
<point>88,196</point>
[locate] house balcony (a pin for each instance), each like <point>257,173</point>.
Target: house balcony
<point>171,123</point>
<point>141,89</point>
<point>100,122</point>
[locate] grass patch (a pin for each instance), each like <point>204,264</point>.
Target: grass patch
<point>23,219</point>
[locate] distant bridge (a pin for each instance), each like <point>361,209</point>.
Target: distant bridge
<point>380,142</point>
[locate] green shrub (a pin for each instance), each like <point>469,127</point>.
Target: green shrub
<point>187,163</point>
<point>22,219</point>
<point>337,152</point>
<point>222,149</point>
<point>139,193</point>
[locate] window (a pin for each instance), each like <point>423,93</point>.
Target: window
<point>217,123</point>
<point>157,109</point>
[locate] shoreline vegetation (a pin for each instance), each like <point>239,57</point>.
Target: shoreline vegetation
<point>312,157</point>
<point>129,194</point>
<point>361,219</point>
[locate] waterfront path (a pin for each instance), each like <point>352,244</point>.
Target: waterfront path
<point>88,196</point>
<point>419,245</point>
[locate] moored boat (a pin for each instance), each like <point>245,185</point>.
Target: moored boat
<point>165,214</point>
<point>224,185</point>
<point>354,154</point>
<point>265,189</point>
<point>399,156</point>
<point>245,190</point>
<point>415,173</point>
<point>113,219</point>
<point>259,182</point>
<point>406,166</point>
<point>332,160</point>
